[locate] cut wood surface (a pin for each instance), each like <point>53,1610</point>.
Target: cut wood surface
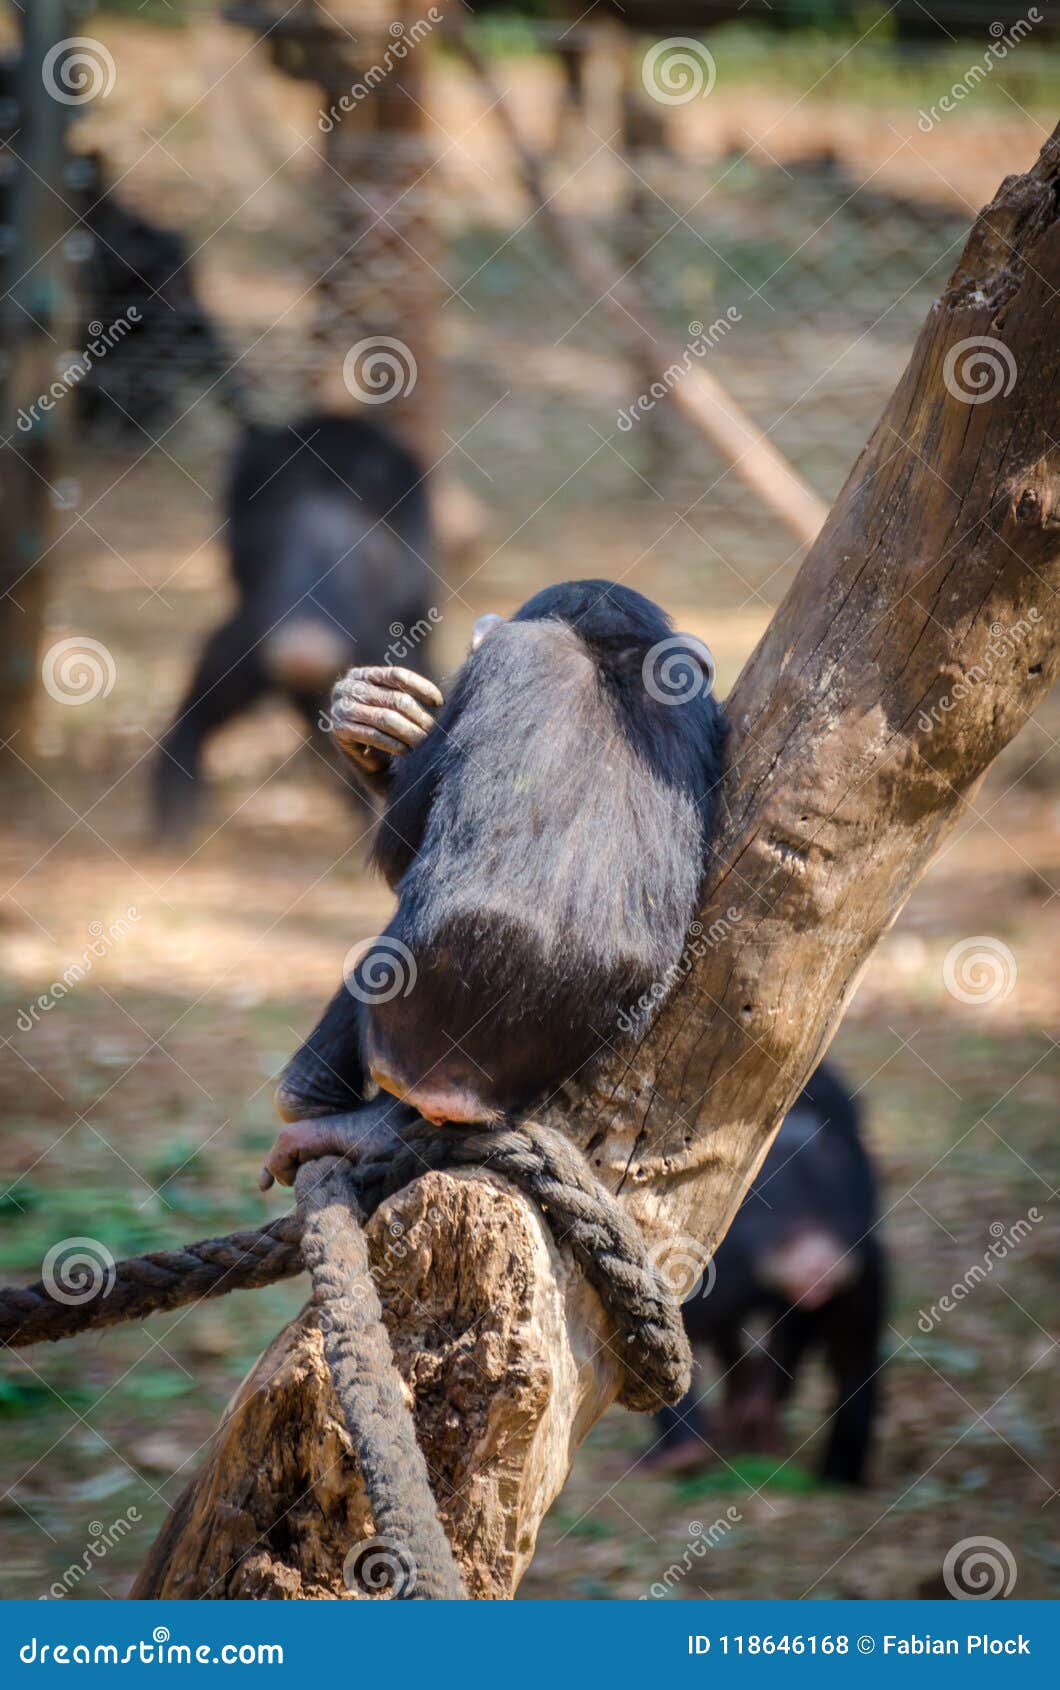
<point>919,634</point>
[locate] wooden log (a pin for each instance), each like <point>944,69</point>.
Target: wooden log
<point>919,634</point>
<point>503,1348</point>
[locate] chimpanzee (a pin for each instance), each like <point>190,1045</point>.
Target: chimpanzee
<point>546,838</point>
<point>331,548</point>
<point>135,389</point>
<point>803,1254</point>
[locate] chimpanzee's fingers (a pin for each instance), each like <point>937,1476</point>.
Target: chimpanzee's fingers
<point>406,680</point>
<point>307,1141</point>
<point>357,693</point>
<point>353,734</point>
<point>281,1164</point>
<point>297,1142</point>
<point>364,695</point>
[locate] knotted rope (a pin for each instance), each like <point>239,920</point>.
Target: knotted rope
<point>325,1235</point>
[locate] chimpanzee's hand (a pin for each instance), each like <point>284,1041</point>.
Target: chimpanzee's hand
<point>379,713</point>
<point>371,1132</point>
<point>307,1141</point>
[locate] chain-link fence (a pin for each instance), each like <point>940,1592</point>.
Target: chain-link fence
<point>787,223</point>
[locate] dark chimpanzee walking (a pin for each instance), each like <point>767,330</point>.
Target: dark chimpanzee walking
<point>546,838</point>
<point>331,548</point>
<point>802,1254</point>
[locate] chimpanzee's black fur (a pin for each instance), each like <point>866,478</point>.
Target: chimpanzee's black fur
<point>331,546</point>
<point>546,842</point>
<point>817,1178</point>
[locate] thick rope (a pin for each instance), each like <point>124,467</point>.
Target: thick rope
<point>369,1387</point>
<point>144,1285</point>
<point>325,1235</point>
<point>583,1215</point>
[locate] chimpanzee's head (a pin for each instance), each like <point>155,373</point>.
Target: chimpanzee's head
<point>612,620</point>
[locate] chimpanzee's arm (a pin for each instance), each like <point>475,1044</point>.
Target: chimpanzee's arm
<point>326,1076</point>
<point>370,1132</point>
<point>378,714</point>
<point>404,821</point>
<point>321,1097</point>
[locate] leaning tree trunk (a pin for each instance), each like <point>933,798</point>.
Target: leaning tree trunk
<point>917,637</point>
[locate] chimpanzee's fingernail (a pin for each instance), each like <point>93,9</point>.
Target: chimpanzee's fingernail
<point>265,1179</point>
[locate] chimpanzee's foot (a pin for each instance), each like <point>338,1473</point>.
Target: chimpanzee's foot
<point>307,1141</point>
<point>382,712</point>
<point>751,1424</point>
<point>177,800</point>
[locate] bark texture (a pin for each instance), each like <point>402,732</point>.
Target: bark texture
<point>502,1347</point>
<point>917,637</point>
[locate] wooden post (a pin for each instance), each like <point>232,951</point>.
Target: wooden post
<point>35,320</point>
<point>380,288</point>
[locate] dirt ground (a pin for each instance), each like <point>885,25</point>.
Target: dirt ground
<point>137,1107</point>
<point>136,1111</point>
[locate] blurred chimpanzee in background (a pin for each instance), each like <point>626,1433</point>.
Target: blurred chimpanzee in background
<point>136,288</point>
<point>173,351</point>
<point>803,1255</point>
<point>331,550</point>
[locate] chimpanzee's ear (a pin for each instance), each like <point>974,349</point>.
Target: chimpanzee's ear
<point>485,625</point>
<point>700,652</point>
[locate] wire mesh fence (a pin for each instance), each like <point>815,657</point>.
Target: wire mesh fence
<point>789,233</point>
